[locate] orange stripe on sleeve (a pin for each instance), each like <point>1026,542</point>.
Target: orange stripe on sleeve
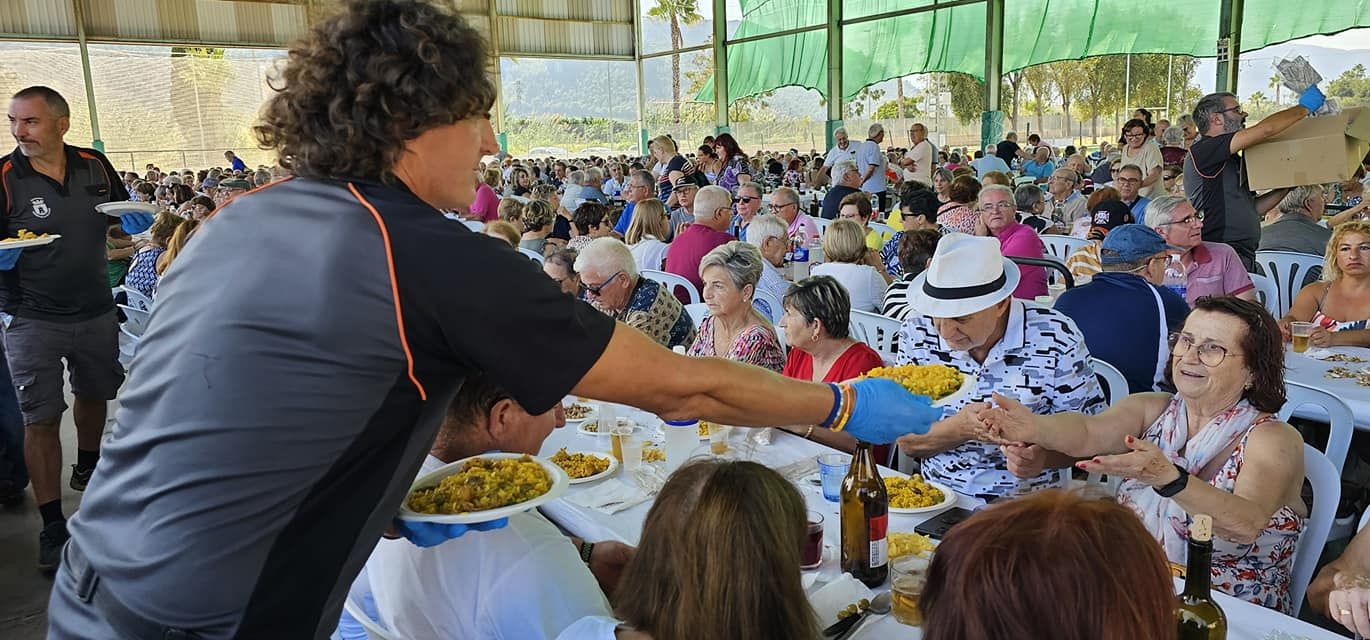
<point>394,286</point>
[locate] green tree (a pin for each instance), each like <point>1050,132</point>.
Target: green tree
<point>1013,85</point>
<point>856,107</point>
<point>890,110</point>
<point>1039,83</point>
<point>1068,76</point>
<point>198,77</point>
<point>1100,92</point>
<point>1276,85</point>
<point>1351,88</point>
<point>967,97</point>
<point>676,12</point>
<point>1258,105</point>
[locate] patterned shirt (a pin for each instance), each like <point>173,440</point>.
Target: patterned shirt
<point>653,310</point>
<point>142,271</point>
<point>1042,361</point>
<point>756,345</point>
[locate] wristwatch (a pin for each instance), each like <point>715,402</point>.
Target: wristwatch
<point>1175,486</point>
<point>586,548</point>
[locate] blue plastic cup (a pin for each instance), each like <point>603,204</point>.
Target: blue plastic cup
<point>832,467</point>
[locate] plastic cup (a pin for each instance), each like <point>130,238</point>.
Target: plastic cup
<point>1056,289</point>
<point>631,447</point>
<point>812,554</point>
<point>832,468</point>
<point>718,438</point>
<point>1299,332</point>
<point>620,431</point>
<point>1045,301</point>
<point>908,574</point>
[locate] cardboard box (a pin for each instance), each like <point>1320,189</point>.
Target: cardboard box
<point>1313,151</point>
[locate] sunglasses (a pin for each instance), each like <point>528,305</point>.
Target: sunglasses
<point>594,290</point>
<point>746,199</point>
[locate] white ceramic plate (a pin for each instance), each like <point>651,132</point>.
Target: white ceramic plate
<point>117,209</point>
<point>594,413</point>
<point>613,466</point>
<point>968,382</point>
<point>586,425</point>
<point>948,499</point>
<point>35,242</point>
<point>559,483</point>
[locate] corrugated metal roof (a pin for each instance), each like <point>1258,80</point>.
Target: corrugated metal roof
<point>586,10</point>
<point>29,18</point>
<point>563,37</point>
<point>169,21</point>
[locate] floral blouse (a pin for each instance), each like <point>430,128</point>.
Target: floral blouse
<point>728,176</point>
<point>756,345</point>
<point>958,217</point>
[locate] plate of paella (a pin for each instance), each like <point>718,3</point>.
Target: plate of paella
<point>482,488</point>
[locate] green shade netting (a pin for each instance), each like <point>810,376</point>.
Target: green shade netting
<point>1035,32</point>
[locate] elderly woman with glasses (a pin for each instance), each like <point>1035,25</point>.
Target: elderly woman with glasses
<point>1214,447</point>
<point>734,329</point>
<point>561,268</point>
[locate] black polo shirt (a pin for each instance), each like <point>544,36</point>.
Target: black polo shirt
<point>1215,183</point>
<point>66,281</point>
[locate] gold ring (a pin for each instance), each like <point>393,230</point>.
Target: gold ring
<point>1346,612</point>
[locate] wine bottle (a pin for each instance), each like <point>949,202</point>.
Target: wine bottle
<point>865,520</point>
<point>1200,618</point>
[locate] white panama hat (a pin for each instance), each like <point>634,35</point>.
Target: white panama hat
<point>967,274</point>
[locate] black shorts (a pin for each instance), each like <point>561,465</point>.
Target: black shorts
<point>35,350</point>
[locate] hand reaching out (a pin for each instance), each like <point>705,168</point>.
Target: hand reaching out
<point>1146,463</point>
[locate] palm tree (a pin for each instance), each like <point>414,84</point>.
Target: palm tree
<point>1276,84</point>
<point>676,12</point>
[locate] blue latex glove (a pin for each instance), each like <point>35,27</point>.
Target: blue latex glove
<point>136,222</point>
<point>431,534</point>
<point>8,258</point>
<point>885,410</point>
<point>1312,99</point>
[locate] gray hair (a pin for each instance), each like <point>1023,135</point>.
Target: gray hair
<point>742,261</point>
<point>1065,172</point>
<point>999,188</point>
<point>767,226</point>
<point>790,194</point>
<point>751,186</point>
<point>1160,210</point>
<point>841,168</point>
<point>1173,136</point>
<point>711,199</point>
<point>1027,197</point>
<point>576,178</point>
<point>594,173</point>
<point>1132,167</point>
<point>644,176</point>
<point>1207,106</point>
<point>1298,197</point>
<point>875,130</point>
<point>57,105</point>
<point>608,255</point>
<point>841,130</point>
<point>564,258</point>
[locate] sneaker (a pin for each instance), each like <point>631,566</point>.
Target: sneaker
<point>80,477</point>
<point>50,541</point>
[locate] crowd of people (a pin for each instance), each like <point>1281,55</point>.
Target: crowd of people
<point>950,243</point>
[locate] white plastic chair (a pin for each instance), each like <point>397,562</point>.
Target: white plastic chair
<point>136,298</point>
<point>822,224</point>
<point>1060,247</point>
<point>1326,482</point>
<point>474,225</point>
<point>1288,270</point>
<point>879,332</point>
<point>698,312</point>
<point>1268,293</point>
<point>136,319</point>
<point>533,255</point>
<point>773,301</point>
<point>884,229</point>
<point>672,281</point>
<point>1115,385</point>
<point>128,346</point>
<point>1342,422</point>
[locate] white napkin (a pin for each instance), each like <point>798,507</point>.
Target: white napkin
<point>836,595</point>
<point>1319,354</point>
<point>610,497</point>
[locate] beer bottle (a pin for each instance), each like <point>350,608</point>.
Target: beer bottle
<point>865,520</point>
<point>1199,616</point>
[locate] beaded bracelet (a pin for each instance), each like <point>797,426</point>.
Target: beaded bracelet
<point>836,406</point>
<point>848,404</point>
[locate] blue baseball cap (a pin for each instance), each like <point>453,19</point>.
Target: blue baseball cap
<point>1131,243</point>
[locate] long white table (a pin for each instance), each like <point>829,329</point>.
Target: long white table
<point>1309,371</point>
<point>1245,620</point>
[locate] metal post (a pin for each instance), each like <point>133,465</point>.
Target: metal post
<point>992,118</point>
<point>1169,75</point>
<point>834,69</point>
<point>96,142</point>
<point>500,134</point>
<point>1127,85</point>
<point>721,122</point>
<point>1229,44</point>
<point>641,85</point>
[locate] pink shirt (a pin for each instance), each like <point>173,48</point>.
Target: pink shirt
<point>688,249</point>
<point>1019,240</point>
<point>487,203</point>
<point>1215,270</point>
<point>805,224</point>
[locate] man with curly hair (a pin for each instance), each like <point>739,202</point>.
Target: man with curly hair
<point>308,342</point>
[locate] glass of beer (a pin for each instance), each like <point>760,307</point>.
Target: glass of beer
<point>908,574</point>
<point>1300,331</point>
<point>622,430</point>
<point>812,554</point>
<point>718,439</point>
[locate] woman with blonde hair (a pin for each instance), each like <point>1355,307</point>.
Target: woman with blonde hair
<point>718,558</point>
<point>854,265</point>
<point>645,233</point>
<point>1340,304</point>
<point>502,230</point>
<point>175,246</point>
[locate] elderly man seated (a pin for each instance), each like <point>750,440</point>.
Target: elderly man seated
<point>767,233</point>
<point>682,216</point>
<point>1297,228</point>
<point>1040,167</point>
<point>971,322</point>
<point>1125,314</point>
<point>525,580</point>
<point>1211,268</point>
<point>1064,203</point>
<point>848,181</point>
<point>713,214</point>
<point>609,280</point>
<point>1128,182</point>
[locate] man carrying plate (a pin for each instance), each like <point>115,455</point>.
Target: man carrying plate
<point>308,342</point>
<point>55,301</point>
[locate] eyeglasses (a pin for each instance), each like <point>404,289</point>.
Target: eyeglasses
<point>1232,108</point>
<point>1210,354</point>
<point>1134,135</point>
<point>594,290</point>
<point>906,215</point>
<point>1128,180</point>
<point>1006,206</point>
<point>1197,216</point>
<point>781,207</point>
<point>746,199</point>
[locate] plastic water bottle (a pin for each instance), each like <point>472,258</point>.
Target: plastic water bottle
<point>1175,277</point>
<point>800,259</point>
<point>816,252</point>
